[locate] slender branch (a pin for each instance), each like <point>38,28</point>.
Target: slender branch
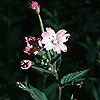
<point>41,23</point>
<point>55,70</point>
<point>60,92</point>
<point>42,29</point>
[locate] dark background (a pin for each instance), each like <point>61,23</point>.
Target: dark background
<point>81,18</point>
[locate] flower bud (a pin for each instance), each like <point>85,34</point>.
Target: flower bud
<point>35,6</point>
<point>26,64</point>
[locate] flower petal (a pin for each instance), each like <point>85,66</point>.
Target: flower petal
<point>63,47</point>
<point>57,49</point>
<point>50,31</point>
<point>61,33</point>
<point>45,41</point>
<point>45,35</point>
<point>48,46</point>
<point>64,38</point>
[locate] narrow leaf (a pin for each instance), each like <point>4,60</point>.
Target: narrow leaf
<point>37,94</point>
<point>55,59</point>
<point>42,70</point>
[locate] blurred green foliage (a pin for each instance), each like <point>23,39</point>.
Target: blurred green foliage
<point>81,18</point>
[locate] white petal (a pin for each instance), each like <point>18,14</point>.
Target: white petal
<point>61,33</point>
<point>56,48</point>
<point>48,46</point>
<point>45,41</point>
<point>63,47</point>
<point>50,31</point>
<point>45,35</point>
<point>64,38</point>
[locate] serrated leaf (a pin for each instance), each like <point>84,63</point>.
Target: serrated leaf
<point>79,79</point>
<point>37,94</point>
<point>73,76</point>
<point>42,70</point>
<point>55,59</point>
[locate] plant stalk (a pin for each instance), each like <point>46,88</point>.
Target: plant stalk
<point>42,30</point>
<point>41,23</point>
<point>60,92</point>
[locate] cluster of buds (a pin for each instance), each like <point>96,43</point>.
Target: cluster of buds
<point>33,45</point>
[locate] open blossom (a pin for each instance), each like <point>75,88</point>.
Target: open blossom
<point>54,40</point>
<point>26,64</point>
<point>33,45</point>
<point>35,6</point>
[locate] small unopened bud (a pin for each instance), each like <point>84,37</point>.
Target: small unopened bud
<point>42,62</point>
<point>35,6</point>
<point>20,85</point>
<point>46,64</point>
<point>49,68</point>
<point>47,60</point>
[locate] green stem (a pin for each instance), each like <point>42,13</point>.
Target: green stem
<point>42,29</point>
<point>56,74</point>
<point>60,92</point>
<point>41,23</point>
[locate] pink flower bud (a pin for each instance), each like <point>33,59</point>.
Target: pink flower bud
<point>35,6</point>
<point>26,64</point>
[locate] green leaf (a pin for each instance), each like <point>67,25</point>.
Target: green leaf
<point>43,53</point>
<point>73,76</point>
<point>59,62</point>
<point>36,60</point>
<point>41,69</point>
<point>52,52</point>
<point>37,94</point>
<point>51,91</point>
<point>55,59</point>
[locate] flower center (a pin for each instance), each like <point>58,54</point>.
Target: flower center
<point>54,41</point>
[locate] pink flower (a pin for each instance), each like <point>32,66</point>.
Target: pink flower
<point>26,64</point>
<point>35,6</point>
<point>54,40</point>
<point>34,45</point>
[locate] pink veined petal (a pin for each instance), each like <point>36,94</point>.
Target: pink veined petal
<point>50,31</point>
<point>63,47</point>
<point>45,41</point>
<point>61,33</point>
<point>64,38</point>
<point>45,35</point>
<point>48,46</point>
<point>57,49</point>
